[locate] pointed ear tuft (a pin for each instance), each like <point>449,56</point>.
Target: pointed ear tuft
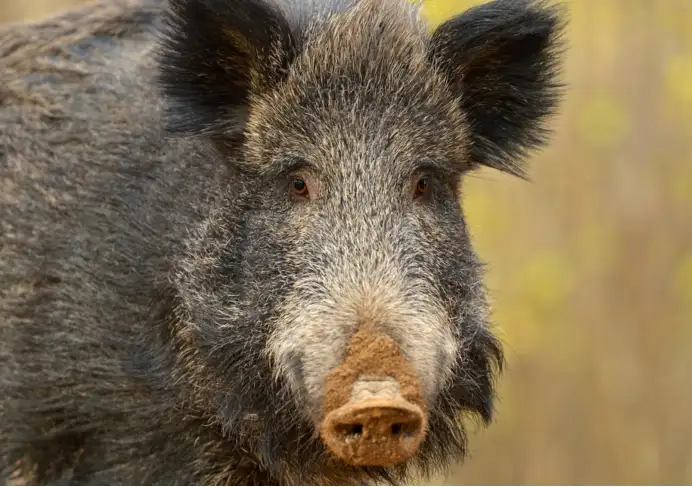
<point>502,59</point>
<point>213,55</point>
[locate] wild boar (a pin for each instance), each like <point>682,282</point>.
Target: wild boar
<point>232,249</point>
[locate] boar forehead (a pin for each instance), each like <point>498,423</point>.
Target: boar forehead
<point>363,86</point>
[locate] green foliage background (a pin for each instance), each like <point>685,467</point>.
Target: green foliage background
<point>590,264</point>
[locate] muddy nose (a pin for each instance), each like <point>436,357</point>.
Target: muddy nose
<point>375,432</point>
<point>374,411</point>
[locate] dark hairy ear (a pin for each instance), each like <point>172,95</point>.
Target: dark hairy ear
<point>502,59</point>
<point>213,54</point>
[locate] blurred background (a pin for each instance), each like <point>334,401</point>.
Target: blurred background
<point>590,263</point>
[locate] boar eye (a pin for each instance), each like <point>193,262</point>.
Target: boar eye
<point>299,187</point>
<point>422,187</point>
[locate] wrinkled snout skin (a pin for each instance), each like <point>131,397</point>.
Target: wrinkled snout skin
<point>232,244</point>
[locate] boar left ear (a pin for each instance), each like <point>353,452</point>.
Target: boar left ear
<point>501,59</point>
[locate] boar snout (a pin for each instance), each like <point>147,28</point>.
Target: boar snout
<point>374,411</point>
<point>379,431</point>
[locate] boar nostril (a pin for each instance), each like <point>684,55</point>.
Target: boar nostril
<point>396,428</point>
<point>350,430</point>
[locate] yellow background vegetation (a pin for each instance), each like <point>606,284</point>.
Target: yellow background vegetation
<point>590,264</point>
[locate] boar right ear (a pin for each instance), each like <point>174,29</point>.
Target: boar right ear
<point>501,59</point>
<point>213,55</point>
